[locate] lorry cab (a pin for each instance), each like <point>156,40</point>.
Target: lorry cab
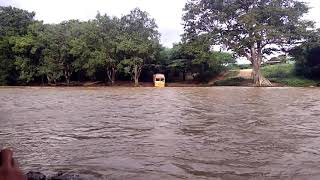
<point>159,80</point>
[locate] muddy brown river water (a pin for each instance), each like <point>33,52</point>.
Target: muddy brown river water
<point>170,133</point>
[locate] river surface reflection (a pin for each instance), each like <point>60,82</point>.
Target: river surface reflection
<point>170,133</point>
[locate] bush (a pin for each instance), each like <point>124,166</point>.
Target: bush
<point>206,76</point>
<point>233,67</point>
<point>285,74</point>
<point>307,60</point>
<point>278,71</point>
<point>245,66</point>
<point>296,82</point>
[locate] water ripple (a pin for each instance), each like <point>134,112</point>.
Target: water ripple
<point>170,133</point>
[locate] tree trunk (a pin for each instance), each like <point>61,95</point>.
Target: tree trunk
<point>113,77</point>
<point>68,80</point>
<point>136,77</point>
<point>67,74</point>
<point>111,73</point>
<point>48,79</point>
<point>256,60</point>
<point>257,76</point>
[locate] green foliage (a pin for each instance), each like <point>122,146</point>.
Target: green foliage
<point>234,66</point>
<point>283,59</point>
<point>248,28</point>
<point>27,50</point>
<point>197,58</point>
<point>57,52</point>
<point>129,65</point>
<point>107,34</point>
<point>254,22</point>
<point>104,49</point>
<point>28,70</point>
<point>14,23</point>
<point>139,43</point>
<point>278,71</point>
<point>307,58</point>
<point>296,82</point>
<point>8,74</point>
<point>285,74</point>
<point>281,74</point>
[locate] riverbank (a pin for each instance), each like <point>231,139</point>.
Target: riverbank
<point>117,84</point>
<point>285,74</point>
<point>280,75</point>
<point>230,81</point>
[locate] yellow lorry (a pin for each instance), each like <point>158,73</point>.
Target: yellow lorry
<point>159,80</point>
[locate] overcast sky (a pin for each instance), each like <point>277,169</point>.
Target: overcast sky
<point>167,13</point>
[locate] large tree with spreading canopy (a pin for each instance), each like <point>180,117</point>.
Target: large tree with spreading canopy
<point>250,28</point>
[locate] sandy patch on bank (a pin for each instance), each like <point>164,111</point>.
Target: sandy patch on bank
<point>245,73</point>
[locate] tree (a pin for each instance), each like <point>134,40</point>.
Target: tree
<point>180,59</point>
<point>251,28</point>
<point>139,42</point>
<point>28,52</point>
<point>196,56</point>
<point>55,64</point>
<point>109,30</point>
<point>8,73</point>
<point>81,40</point>
<point>14,23</point>
<point>307,57</point>
<point>82,47</point>
<point>59,59</point>
<point>162,59</point>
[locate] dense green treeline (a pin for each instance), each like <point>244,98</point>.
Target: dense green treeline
<point>104,49</point>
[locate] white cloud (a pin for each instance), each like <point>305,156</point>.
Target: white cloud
<point>167,13</point>
<point>314,11</point>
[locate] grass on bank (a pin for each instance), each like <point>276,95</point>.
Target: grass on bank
<point>281,74</point>
<point>284,74</point>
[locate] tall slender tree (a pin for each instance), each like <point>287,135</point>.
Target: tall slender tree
<point>139,42</point>
<point>106,54</point>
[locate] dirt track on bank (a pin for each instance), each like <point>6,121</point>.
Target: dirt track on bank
<point>245,73</point>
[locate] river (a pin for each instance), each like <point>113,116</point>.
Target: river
<point>170,133</point>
